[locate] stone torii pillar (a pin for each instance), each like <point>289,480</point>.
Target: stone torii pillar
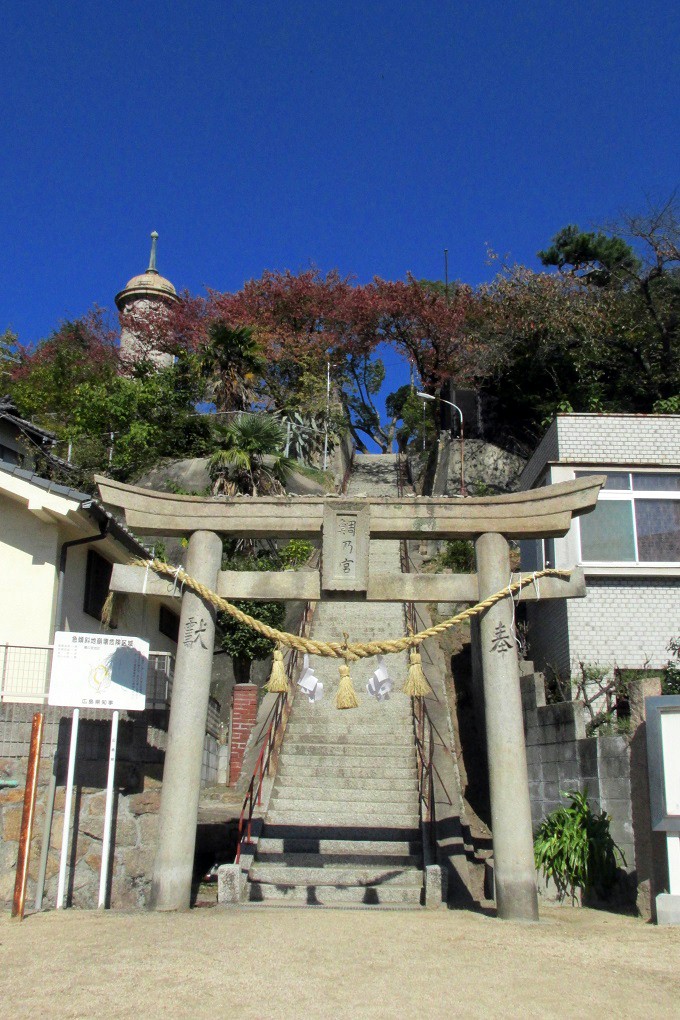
<point>513,848</point>
<point>173,866</point>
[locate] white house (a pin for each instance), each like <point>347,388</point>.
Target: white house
<point>629,546</point>
<point>57,547</point>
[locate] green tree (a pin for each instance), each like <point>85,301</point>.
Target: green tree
<point>251,458</point>
<point>8,357</point>
<point>233,363</point>
<point>594,257</point>
<point>244,644</point>
<point>118,424</point>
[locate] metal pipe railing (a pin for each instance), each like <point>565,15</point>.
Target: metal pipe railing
<point>275,725</point>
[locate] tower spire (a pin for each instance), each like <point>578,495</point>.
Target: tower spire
<point>152,256</point>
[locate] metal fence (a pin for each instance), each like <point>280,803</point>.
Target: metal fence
<point>25,673</point>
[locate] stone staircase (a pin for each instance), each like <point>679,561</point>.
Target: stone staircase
<point>342,826</point>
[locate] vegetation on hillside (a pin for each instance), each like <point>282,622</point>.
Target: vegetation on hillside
<point>596,330</point>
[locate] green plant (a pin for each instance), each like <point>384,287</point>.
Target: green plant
<point>670,681</point>
<point>458,555</point>
<point>574,847</point>
<point>240,465</point>
<point>244,644</point>
<point>295,553</point>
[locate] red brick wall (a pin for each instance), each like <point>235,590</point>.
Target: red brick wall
<point>243,716</point>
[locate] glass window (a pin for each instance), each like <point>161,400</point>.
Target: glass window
<point>658,529</point>
<point>607,532</point>
<point>97,580</point>
<point>615,479</point>
<point>168,623</point>
<point>654,481</point>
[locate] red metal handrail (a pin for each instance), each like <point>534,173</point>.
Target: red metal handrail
<point>424,729</point>
<point>276,725</point>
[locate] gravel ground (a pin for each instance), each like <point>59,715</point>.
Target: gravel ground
<point>270,963</point>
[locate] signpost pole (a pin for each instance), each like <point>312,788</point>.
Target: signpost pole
<point>67,808</point>
<point>108,813</point>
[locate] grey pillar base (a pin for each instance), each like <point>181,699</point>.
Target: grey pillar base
<point>178,816</point>
<point>667,909</point>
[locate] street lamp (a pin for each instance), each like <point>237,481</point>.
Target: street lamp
<point>328,411</point>
<point>428,396</point>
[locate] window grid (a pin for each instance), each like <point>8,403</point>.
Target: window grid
<point>631,495</point>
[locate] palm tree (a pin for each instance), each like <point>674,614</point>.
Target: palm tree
<point>251,460</point>
<point>233,361</point>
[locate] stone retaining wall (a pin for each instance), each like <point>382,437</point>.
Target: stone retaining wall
<point>137,786</point>
<point>561,758</point>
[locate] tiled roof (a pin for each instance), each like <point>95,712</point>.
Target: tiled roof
<point>8,411</point>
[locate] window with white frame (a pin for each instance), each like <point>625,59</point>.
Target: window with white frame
<point>636,520</point>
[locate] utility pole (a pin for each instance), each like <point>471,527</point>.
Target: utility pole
<point>446,274</point>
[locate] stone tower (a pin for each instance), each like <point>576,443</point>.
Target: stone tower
<point>147,292</point>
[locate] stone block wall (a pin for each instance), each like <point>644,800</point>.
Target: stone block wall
<point>136,806</point>
<point>561,758</point>
<point>138,782</point>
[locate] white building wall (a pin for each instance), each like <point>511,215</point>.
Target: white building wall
<point>28,560</point>
<point>652,439</point>
<point>625,622</point>
<point>630,612</point>
<point>138,616</point>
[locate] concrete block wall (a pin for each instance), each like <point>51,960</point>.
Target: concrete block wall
<point>561,758</point>
<point>623,621</point>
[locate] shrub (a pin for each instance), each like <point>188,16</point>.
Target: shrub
<point>574,848</point>
<point>670,682</point>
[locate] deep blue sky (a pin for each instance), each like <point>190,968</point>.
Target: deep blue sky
<point>367,135</point>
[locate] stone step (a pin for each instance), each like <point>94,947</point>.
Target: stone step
<point>293,796</point>
<point>341,875</point>
<point>303,765</point>
<point>407,804</point>
<point>316,786</point>
<point>397,843</point>
<point>396,727</point>
<point>322,895</point>
<point>373,738</point>
<point>359,857</point>
<point>309,844</point>
<point>399,753</point>
<point>338,818</point>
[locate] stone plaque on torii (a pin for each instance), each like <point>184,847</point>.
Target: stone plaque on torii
<point>345,527</point>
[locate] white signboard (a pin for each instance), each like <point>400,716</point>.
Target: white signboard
<point>99,671</point>
<point>670,743</point>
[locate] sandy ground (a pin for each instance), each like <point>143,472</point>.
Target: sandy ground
<point>270,963</point>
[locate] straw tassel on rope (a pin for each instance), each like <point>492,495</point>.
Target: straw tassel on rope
<point>278,681</point>
<point>108,609</point>
<point>416,685</point>
<point>346,696</point>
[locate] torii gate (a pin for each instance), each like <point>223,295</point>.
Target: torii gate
<point>489,521</point>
